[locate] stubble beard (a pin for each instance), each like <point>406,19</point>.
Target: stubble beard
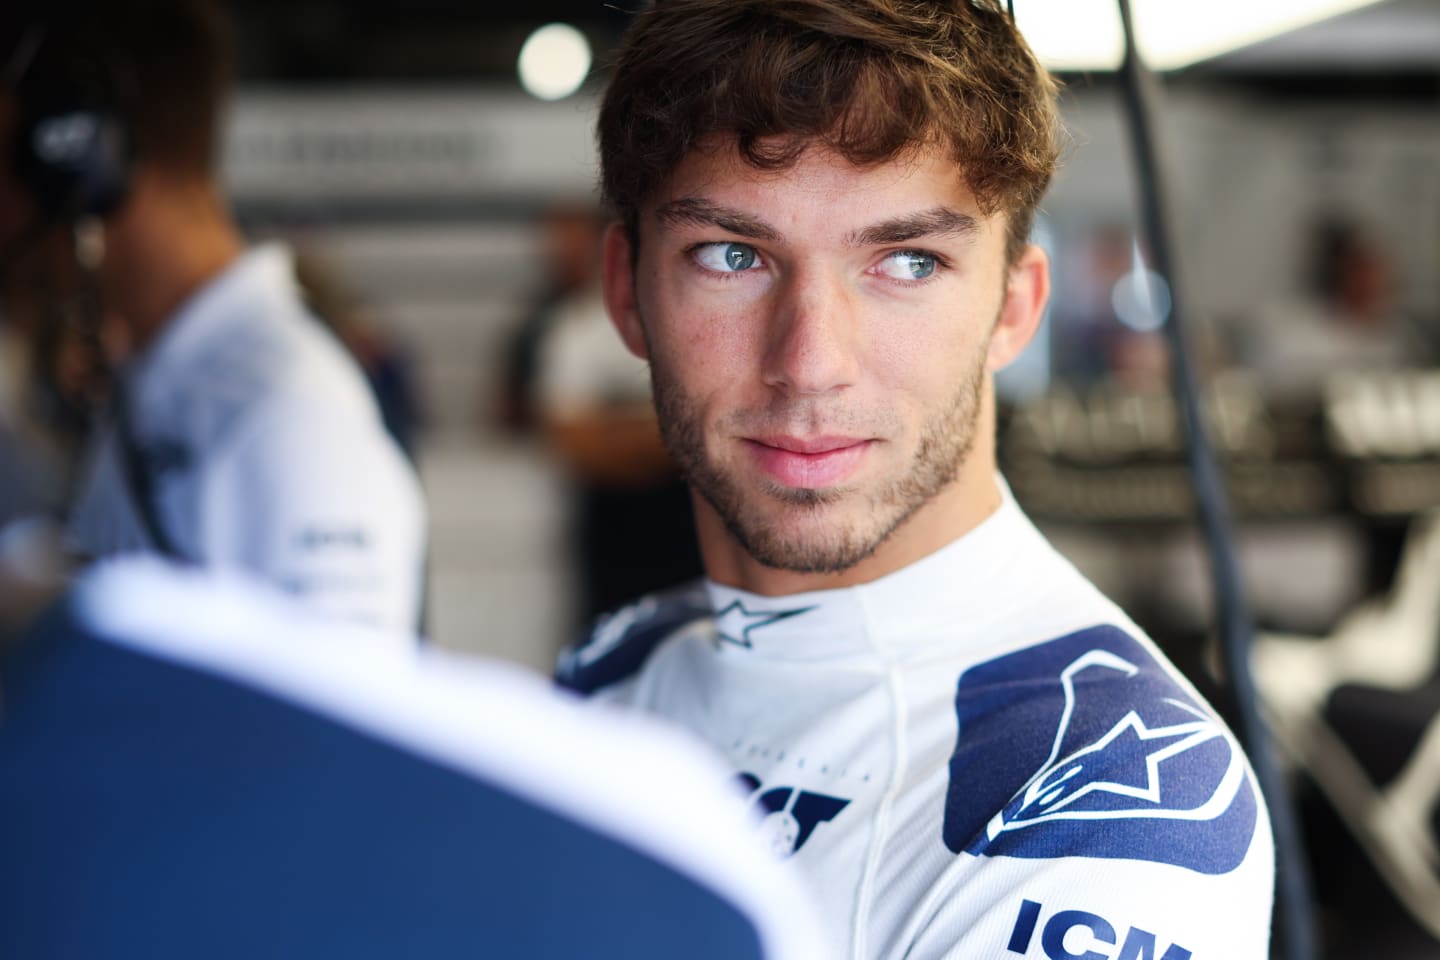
<point>809,544</point>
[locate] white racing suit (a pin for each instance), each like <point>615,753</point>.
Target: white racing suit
<point>978,756</point>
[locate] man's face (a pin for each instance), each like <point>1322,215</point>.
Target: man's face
<point>820,341</point>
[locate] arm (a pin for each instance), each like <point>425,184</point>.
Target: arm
<point>320,501</point>
<point>616,445</point>
<point>1096,808</point>
<point>1074,907</point>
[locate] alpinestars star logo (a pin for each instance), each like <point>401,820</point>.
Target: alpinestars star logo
<point>1084,746</point>
<point>734,623</point>
<point>1123,762</point>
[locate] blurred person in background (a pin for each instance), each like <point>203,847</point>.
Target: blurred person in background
<point>632,529</point>
<point>1346,320</point>
<point>196,765</point>
<point>570,245</point>
<point>238,432</point>
<point>823,253</point>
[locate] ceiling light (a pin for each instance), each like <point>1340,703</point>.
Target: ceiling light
<point>1086,35</point>
<point>554,61</point>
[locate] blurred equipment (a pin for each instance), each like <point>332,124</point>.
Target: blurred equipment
<point>1235,629</point>
<point>1359,710</point>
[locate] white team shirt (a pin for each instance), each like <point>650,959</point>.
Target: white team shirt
<point>265,451</point>
<point>976,756</point>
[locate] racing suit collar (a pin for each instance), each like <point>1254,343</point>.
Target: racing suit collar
<point>896,614</point>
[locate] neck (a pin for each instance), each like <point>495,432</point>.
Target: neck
<point>169,240</point>
<point>959,508</point>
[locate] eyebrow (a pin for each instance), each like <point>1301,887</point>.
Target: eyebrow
<point>698,212</point>
<point>936,222</point>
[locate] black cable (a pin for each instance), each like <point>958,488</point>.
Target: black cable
<point>140,478</point>
<point>1293,898</point>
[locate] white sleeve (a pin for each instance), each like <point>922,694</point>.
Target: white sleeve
<point>318,499</point>
<point>1096,808</point>
<point>1079,907</point>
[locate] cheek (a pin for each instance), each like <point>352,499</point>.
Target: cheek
<point>710,341</point>
<point>926,353</point>
<point>700,360</point>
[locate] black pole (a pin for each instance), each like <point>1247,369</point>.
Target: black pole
<point>1293,901</point>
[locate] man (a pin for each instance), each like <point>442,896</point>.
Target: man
<point>240,433</point>
<point>195,765</point>
<point>824,207</point>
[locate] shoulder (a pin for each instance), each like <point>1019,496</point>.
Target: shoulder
<point>1092,744</point>
<point>289,395</point>
<point>620,643</point>
<point>290,360</point>
<point>254,346</point>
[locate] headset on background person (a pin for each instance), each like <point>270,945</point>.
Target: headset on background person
<point>71,149</point>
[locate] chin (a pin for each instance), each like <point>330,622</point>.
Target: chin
<point>808,539</point>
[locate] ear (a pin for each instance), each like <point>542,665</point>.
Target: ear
<point>1027,291</point>
<point>618,280</point>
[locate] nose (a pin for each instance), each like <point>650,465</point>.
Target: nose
<point>813,344</point>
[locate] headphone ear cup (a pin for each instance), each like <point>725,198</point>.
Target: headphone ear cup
<point>73,156</point>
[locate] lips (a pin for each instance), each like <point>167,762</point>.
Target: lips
<point>808,462</point>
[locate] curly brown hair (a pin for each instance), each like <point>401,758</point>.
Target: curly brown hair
<point>868,79</point>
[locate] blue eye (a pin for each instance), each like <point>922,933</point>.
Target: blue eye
<point>727,257</point>
<point>909,265</point>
